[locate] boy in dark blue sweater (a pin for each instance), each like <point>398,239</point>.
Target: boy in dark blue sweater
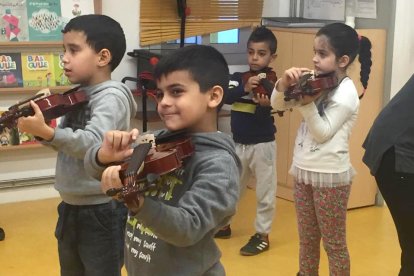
<point>252,125</point>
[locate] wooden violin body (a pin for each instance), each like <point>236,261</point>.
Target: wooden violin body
<point>267,81</point>
<point>310,85</point>
<point>52,106</point>
<point>147,165</point>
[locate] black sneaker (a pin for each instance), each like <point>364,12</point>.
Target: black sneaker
<point>256,245</point>
<point>2,234</point>
<point>223,233</point>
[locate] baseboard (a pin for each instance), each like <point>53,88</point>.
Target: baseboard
<point>27,193</point>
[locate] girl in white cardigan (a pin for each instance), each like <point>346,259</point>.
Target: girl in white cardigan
<point>321,166</point>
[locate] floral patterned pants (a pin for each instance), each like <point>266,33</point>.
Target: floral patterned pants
<point>321,214</point>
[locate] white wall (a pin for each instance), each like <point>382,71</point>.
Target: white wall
<point>403,54</point>
<point>276,8</point>
<point>127,14</point>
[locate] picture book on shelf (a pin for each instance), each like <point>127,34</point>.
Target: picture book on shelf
<point>44,20</point>
<point>73,8</point>
<point>38,70</point>
<point>8,136</point>
<point>13,21</point>
<point>10,70</point>
<point>60,78</point>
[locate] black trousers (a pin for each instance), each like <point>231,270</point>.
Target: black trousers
<point>398,192</point>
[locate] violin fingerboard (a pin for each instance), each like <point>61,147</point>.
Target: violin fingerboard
<point>137,158</point>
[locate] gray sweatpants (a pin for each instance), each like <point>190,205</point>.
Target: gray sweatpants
<point>259,161</point>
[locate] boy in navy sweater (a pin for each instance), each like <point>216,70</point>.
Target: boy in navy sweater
<point>252,125</point>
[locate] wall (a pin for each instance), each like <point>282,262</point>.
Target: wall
<point>403,52</point>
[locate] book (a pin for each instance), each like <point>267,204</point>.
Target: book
<point>60,78</point>
<point>13,21</point>
<point>38,70</point>
<point>73,8</point>
<point>10,70</point>
<point>8,136</point>
<point>44,19</point>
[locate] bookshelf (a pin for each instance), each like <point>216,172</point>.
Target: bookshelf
<point>22,147</point>
<point>32,90</point>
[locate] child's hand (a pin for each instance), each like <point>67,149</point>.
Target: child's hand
<point>116,145</point>
<point>290,77</point>
<point>36,124</point>
<point>111,180</point>
<point>307,99</point>
<point>251,83</point>
<point>261,99</point>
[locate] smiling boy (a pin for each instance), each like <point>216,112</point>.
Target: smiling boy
<point>173,235</point>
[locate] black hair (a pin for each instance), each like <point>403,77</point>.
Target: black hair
<point>344,40</point>
<point>206,65</point>
<point>102,32</point>
<point>263,34</point>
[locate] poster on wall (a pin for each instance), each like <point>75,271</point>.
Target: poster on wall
<point>13,21</point>
<point>324,9</point>
<point>44,19</point>
<point>73,8</point>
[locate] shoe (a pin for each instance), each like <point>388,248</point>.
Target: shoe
<point>2,234</point>
<point>257,244</point>
<point>223,233</point>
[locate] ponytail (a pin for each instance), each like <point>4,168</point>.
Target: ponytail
<point>366,62</point>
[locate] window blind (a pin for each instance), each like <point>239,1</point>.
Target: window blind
<point>159,20</point>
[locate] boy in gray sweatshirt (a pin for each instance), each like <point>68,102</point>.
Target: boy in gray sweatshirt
<point>90,226</point>
<point>173,233</point>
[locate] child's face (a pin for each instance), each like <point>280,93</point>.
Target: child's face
<point>181,105</point>
<point>80,61</point>
<point>259,55</point>
<point>324,58</point>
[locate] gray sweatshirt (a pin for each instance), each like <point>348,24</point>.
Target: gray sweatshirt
<point>111,106</point>
<point>173,234</point>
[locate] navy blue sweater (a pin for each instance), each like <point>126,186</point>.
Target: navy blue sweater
<point>250,122</point>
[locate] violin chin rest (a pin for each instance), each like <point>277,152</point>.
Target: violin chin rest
<point>45,92</point>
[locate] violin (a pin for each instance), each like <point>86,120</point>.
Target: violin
<point>144,171</point>
<point>310,85</point>
<point>52,106</point>
<point>267,81</point>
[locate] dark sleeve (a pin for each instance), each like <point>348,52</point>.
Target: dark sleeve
<point>236,88</point>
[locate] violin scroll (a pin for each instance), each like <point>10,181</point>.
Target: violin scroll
<point>267,81</point>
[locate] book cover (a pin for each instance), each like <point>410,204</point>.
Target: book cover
<point>60,78</point>
<point>13,21</point>
<point>8,136</point>
<point>38,70</point>
<point>73,8</point>
<point>10,70</point>
<point>44,19</point>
